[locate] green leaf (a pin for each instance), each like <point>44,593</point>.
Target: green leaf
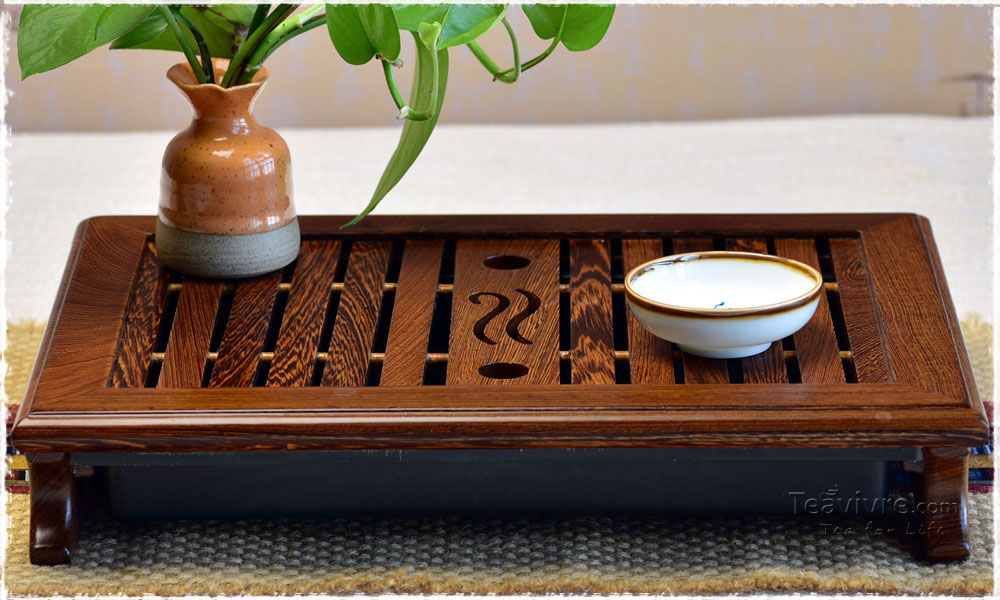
<point>415,133</point>
<point>460,23</point>
<point>228,16</point>
<point>51,35</point>
<point>584,26</point>
<point>151,26</point>
<point>545,19</point>
<point>429,34</point>
<point>380,26</point>
<point>119,19</point>
<point>152,34</point>
<point>348,34</point>
<point>359,32</point>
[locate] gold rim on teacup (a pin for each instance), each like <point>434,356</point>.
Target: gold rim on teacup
<point>687,311</point>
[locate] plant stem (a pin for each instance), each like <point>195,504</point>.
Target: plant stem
<point>548,51</point>
<point>277,36</point>
<point>435,88</point>
<point>517,55</point>
<point>206,56</point>
<point>484,58</point>
<point>390,81</point>
<point>505,75</point>
<point>258,17</point>
<point>310,24</point>
<point>175,29</point>
<point>405,111</point>
<point>540,57</point>
<point>238,63</point>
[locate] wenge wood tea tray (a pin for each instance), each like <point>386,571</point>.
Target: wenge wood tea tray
<point>475,340</point>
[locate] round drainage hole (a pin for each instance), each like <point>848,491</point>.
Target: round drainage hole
<point>503,370</point>
<point>506,262</point>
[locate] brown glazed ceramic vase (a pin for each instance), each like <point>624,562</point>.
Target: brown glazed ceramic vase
<point>226,189</point>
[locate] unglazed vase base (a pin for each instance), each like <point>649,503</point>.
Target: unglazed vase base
<point>738,352</point>
<point>227,256</point>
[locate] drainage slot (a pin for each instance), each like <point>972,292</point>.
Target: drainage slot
<point>791,360</point>
<point>619,321</point>
<point>735,368</point>
<point>163,331</point>
<point>565,331</point>
<point>503,370</point>
<point>564,275</point>
<point>395,261</point>
<point>678,363</point>
<point>273,326</point>
<point>506,262</point>
<point>221,319</point>
<point>436,373</point>
<point>326,333</point>
<point>565,371</point>
<point>617,263</point>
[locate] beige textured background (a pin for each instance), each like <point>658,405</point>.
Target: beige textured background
<point>657,63</point>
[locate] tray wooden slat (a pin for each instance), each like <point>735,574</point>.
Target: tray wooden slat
<point>243,339</point>
<point>191,334</point>
<point>698,369</point>
<point>301,327</point>
<point>769,365</point>
<point>482,334</point>
<point>816,343</point>
<point>650,358</point>
<point>592,353</point>
<point>141,323</point>
<point>409,330</point>
<point>357,312</point>
<point>859,313</point>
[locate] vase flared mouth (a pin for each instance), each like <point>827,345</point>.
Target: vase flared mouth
<point>183,77</point>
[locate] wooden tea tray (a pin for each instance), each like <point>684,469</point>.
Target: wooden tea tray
<point>493,332</point>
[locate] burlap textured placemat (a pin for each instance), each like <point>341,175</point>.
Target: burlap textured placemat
<point>506,556</point>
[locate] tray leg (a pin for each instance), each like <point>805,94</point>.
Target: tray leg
<point>53,509</point>
<point>943,490</point>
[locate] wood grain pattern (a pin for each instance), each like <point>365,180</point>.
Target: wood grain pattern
<point>243,339</point>
<point>85,325</point>
<point>53,509</point>
<point>710,398</point>
<point>967,378</point>
<point>409,330</point>
<point>769,365</point>
<point>944,514</point>
<point>592,353</point>
<point>341,429</point>
<point>503,226</point>
<point>650,358</point>
<point>914,319</point>
<point>302,323</point>
<point>354,328</point>
<point>480,291</point>
<point>858,305</point>
<point>141,323</point>
<point>187,347</point>
<point>816,343</point>
<point>698,369</point>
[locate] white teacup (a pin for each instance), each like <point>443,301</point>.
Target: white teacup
<point>723,304</point>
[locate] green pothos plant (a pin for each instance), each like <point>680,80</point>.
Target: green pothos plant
<point>51,35</point>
